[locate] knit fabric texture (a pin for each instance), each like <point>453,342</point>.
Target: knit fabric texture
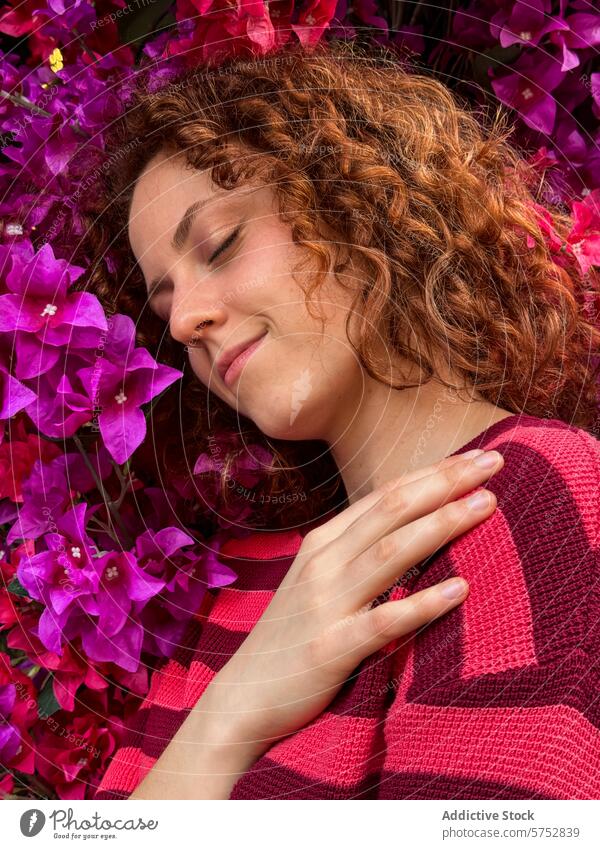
<point>497,699</point>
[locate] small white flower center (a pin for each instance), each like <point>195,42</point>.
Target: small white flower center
<point>527,93</point>
<point>49,309</point>
<point>76,551</point>
<point>111,573</point>
<point>121,397</point>
<point>310,20</point>
<point>526,36</point>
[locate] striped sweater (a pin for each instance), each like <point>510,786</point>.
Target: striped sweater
<point>497,699</point>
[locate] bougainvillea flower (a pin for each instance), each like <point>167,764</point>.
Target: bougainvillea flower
<point>62,405</point>
<point>580,32</point>
<point>119,383</point>
<point>525,23</point>
<point>38,304</point>
<point>17,458</point>
<point>73,751</point>
<point>46,495</point>
<point>63,572</point>
<point>528,89</point>
<point>14,396</point>
<point>187,576</point>
<point>584,238</point>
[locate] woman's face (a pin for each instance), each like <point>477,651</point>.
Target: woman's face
<point>232,267</point>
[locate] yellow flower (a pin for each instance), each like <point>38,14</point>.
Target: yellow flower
<point>56,60</point>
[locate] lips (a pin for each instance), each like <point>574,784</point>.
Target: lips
<point>233,359</point>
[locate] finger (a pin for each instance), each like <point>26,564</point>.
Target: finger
<point>379,566</point>
<point>410,501</point>
<point>334,527</point>
<point>374,629</point>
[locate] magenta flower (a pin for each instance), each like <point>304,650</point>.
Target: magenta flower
<point>10,739</point>
<point>62,404</point>
<point>580,32</point>
<point>117,635</point>
<point>13,397</point>
<point>526,23</point>
<point>39,308</point>
<point>528,89</point>
<point>186,576</point>
<point>64,572</point>
<point>119,383</point>
<point>46,495</point>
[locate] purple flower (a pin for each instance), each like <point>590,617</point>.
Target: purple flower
<point>526,23</point>
<point>186,576</point>
<point>528,89</point>
<point>117,634</point>
<point>10,739</point>
<point>42,312</point>
<point>580,32</point>
<point>62,404</point>
<point>13,397</point>
<point>119,383</point>
<point>47,146</point>
<point>45,497</point>
<point>64,16</point>
<point>60,575</point>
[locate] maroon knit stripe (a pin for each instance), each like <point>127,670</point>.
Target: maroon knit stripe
<point>268,780</point>
<point>116,793</point>
<point>423,785</point>
<point>161,727</point>
<point>570,683</point>
<point>258,574</point>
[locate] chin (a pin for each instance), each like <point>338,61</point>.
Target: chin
<point>282,423</point>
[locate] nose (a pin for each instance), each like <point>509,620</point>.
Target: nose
<point>191,307</point>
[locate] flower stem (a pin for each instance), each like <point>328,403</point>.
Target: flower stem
<point>110,505</point>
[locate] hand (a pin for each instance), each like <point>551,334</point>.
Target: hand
<point>319,624</point>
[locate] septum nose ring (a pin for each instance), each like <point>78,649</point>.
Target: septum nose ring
<point>198,327</point>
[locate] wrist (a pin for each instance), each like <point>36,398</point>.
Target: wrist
<point>226,731</point>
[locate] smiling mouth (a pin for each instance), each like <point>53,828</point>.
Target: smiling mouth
<point>240,361</point>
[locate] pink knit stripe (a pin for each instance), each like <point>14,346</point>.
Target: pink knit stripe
<point>199,677</point>
<point>524,746</point>
<point>236,610</point>
<point>331,745</point>
<point>157,682</point>
<point>263,546</point>
<point>127,772</point>
<point>497,623</point>
<point>167,685</point>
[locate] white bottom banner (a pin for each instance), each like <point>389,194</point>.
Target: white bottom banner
<point>290,824</point>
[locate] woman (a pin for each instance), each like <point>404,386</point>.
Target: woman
<point>353,267</point>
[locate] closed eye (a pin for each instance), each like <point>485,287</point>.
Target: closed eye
<point>228,241</point>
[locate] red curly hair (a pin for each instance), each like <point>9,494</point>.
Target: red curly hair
<point>376,165</point>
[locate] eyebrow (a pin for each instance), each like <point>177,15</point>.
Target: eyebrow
<point>179,239</point>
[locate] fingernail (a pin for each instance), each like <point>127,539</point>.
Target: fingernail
<point>487,460</point>
<point>474,453</point>
<point>479,501</point>
<point>454,589</point>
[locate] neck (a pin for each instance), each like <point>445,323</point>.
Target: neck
<point>393,432</point>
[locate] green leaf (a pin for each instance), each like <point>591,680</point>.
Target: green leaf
<point>47,704</point>
<point>16,588</point>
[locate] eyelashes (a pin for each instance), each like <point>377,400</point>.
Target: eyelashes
<point>221,249</point>
<point>227,243</point>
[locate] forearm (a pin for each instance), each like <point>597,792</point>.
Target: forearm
<point>203,760</point>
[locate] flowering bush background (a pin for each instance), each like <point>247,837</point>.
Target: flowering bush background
<point>102,569</point>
